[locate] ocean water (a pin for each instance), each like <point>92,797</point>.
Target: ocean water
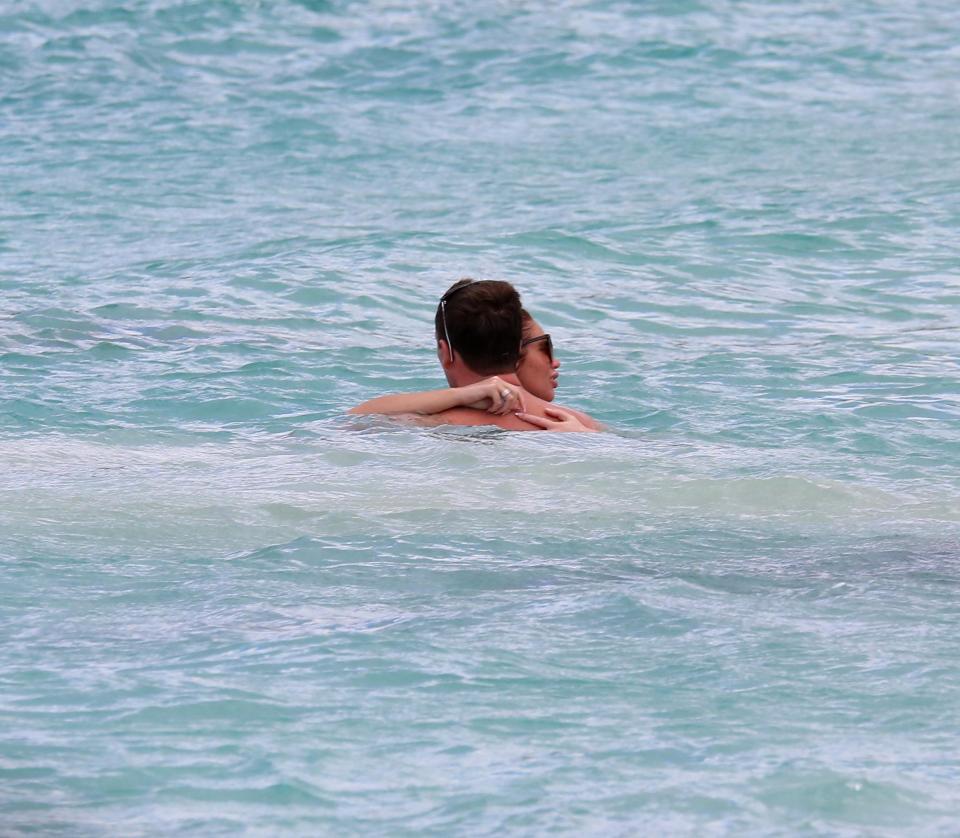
<point>228,608</point>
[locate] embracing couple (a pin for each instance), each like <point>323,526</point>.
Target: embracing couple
<point>499,364</point>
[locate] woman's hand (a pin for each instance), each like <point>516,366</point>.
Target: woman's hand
<point>493,395</point>
<point>563,421</point>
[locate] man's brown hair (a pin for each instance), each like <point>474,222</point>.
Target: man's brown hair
<point>481,321</point>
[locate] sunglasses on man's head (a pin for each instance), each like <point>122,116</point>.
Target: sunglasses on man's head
<point>443,310</point>
<point>546,338</point>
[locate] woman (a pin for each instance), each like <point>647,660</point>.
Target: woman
<point>537,373</point>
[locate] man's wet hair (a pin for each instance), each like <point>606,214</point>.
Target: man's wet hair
<point>481,320</point>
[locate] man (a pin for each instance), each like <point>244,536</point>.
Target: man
<point>478,328</point>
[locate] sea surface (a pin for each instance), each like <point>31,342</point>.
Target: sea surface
<point>226,607</point>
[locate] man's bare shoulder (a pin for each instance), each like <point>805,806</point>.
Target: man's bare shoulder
<point>589,421</point>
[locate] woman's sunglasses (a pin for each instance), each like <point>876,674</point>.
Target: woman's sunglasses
<point>549,347</point>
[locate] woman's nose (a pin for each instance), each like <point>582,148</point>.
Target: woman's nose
<point>555,363</point>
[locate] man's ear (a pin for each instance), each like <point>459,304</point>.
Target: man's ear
<point>444,354</point>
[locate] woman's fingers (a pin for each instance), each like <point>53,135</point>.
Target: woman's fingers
<point>515,402</point>
<point>504,398</point>
<point>499,398</point>
<point>494,395</point>
<point>563,420</point>
<point>491,394</point>
<point>539,421</point>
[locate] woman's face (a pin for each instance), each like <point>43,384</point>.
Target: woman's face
<point>537,373</point>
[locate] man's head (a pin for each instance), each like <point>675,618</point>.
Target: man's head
<point>481,322</point>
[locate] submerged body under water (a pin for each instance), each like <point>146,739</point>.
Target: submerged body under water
<point>228,606</point>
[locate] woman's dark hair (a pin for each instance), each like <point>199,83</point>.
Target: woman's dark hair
<point>482,322</point>
<point>526,321</point>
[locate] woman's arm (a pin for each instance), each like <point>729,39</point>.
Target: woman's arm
<point>492,394</point>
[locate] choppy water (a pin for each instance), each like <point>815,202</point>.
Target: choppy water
<point>226,607</point>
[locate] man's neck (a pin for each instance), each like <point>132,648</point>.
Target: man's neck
<point>463,376</point>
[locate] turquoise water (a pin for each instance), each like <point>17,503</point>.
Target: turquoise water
<point>226,607</point>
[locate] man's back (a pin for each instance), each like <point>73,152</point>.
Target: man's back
<point>534,406</point>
